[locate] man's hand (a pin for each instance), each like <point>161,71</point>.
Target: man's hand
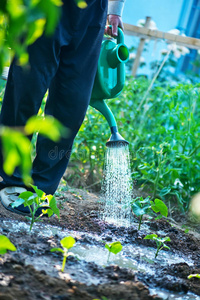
<point>115,21</point>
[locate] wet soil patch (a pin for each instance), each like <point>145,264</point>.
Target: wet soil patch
<point>33,272</point>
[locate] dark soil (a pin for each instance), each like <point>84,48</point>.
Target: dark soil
<point>83,280</point>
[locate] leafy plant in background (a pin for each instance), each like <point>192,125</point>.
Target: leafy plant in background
<point>67,243</point>
<point>165,155</point>
<point>160,242</point>
<point>37,202</point>
<point>5,245</point>
<point>114,248</point>
<point>89,146</point>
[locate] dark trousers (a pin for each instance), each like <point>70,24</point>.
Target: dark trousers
<point>64,63</point>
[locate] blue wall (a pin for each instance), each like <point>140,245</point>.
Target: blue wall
<point>164,12</point>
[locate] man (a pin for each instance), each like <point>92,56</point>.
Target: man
<point>64,63</point>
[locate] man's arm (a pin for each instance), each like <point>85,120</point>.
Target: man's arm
<point>115,10</point>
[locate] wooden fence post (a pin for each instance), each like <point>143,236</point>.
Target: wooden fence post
<point>140,49</point>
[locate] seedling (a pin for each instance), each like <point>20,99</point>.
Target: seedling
<point>5,244</point>
<point>38,201</point>
<point>140,207</point>
<point>194,276</point>
<point>160,242</point>
<point>67,243</point>
<point>114,248</point>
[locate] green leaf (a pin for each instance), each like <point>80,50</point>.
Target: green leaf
<point>114,247</point>
<point>16,152</point>
<point>107,247</point>
<point>81,3</point>
<point>68,242</point>
<point>26,195</point>
<point>53,205</point>
<point>140,206</point>
<point>5,244</point>
<point>138,211</point>
<point>39,192</point>
<point>167,239</point>
<point>159,206</point>
<point>48,126</point>
<point>48,211</point>
<point>150,236</point>
<point>57,249</point>
<point>194,275</point>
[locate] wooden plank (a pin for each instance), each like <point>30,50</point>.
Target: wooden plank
<point>147,33</point>
<point>140,49</point>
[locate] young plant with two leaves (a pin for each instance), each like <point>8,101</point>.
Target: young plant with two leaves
<point>114,248</point>
<point>160,242</point>
<point>141,206</point>
<point>66,243</point>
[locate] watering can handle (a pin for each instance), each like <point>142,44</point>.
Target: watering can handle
<point>120,36</point>
<point>120,68</point>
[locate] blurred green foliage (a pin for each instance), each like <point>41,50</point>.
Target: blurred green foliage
<point>5,245</point>
<point>17,147</point>
<point>21,23</point>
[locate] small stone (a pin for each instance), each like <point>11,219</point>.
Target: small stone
<point>18,267</point>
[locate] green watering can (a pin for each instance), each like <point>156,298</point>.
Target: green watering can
<point>109,82</point>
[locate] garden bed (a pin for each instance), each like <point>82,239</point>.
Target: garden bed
<point>33,272</point>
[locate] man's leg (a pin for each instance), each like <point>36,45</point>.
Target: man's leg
<point>25,89</point>
<point>69,94</point>
<point>70,89</point>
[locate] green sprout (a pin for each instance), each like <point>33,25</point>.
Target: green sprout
<point>38,200</point>
<point>142,206</point>
<point>194,276</point>
<point>67,243</point>
<point>160,242</point>
<point>5,244</point>
<point>114,248</point>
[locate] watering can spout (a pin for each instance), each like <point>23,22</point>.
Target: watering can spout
<point>116,140</point>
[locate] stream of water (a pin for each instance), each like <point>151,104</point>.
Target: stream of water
<point>117,186</point>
